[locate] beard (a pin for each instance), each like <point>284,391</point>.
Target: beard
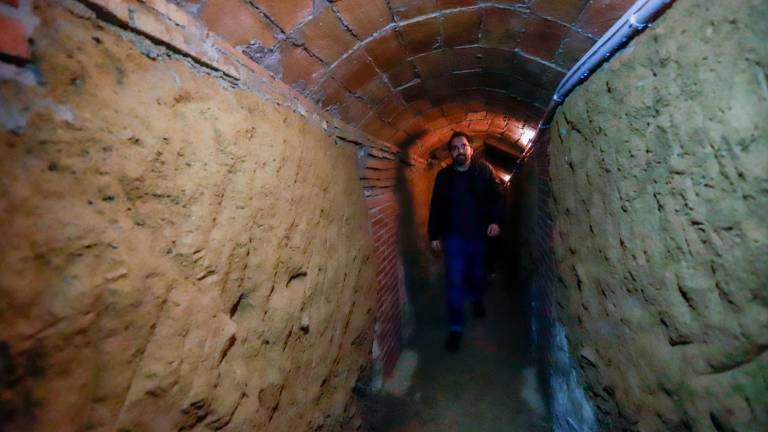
<point>460,160</point>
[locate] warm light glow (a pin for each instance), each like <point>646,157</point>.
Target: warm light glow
<point>506,177</point>
<point>527,136</point>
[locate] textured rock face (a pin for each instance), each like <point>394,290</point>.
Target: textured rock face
<point>659,167</point>
<point>176,253</point>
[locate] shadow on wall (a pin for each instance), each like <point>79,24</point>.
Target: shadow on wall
<point>529,247</point>
<point>413,190</point>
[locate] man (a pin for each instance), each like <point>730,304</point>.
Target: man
<point>465,209</point>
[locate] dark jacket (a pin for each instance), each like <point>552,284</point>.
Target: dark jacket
<point>483,186</point>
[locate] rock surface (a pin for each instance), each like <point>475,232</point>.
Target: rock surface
<point>658,167</point>
<point>177,253</point>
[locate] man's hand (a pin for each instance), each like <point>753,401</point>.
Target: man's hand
<point>436,245</point>
<point>493,230</point>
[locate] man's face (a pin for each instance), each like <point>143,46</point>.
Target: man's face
<point>461,152</point>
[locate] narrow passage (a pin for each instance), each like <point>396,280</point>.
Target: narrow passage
<point>490,385</point>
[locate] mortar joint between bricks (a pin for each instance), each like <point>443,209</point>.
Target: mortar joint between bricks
<point>343,22</point>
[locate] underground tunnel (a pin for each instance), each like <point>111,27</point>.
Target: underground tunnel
<point>214,215</point>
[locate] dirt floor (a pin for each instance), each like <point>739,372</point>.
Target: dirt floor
<point>490,385</point>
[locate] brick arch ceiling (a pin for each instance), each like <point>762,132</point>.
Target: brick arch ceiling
<point>410,71</point>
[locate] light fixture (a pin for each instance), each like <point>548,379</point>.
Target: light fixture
<point>506,177</point>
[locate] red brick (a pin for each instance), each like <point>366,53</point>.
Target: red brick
<point>467,79</point>
<point>355,71</point>
<point>497,58</point>
<point>385,134</point>
<point>440,90</point>
<point>407,9</point>
<point>530,93</point>
<point>13,38</point>
<point>286,14</point>
<point>462,28</point>
<point>522,67</point>
<point>376,91</point>
<point>479,125</point>
<point>372,123</point>
<point>392,310</point>
<point>386,50</point>
<point>451,4</point>
<point>562,10</point>
<point>329,93</point>
<point>421,36</point>
<point>433,64</point>
<point>384,239</point>
<point>390,106</point>
<point>574,46</point>
<point>381,234</point>
<point>466,58</point>
<point>454,119</point>
<point>378,183</point>
<point>238,23</point>
<point>551,79</point>
<point>475,99</point>
<point>384,269</point>
<point>502,28</point>
<point>403,117</point>
<point>384,210</point>
<point>542,37</point>
<point>514,124</point>
<point>420,105</point>
<point>600,15</point>
<point>454,109</point>
<point>364,17</point>
<point>413,92</point>
<point>379,166</point>
<point>353,111</point>
<point>432,115</point>
<point>402,74</point>
<point>498,121</point>
<point>325,36</point>
<point>300,70</point>
<point>415,127</point>
<point>499,81</point>
<point>390,260</point>
<point>389,318</point>
<point>439,123</point>
<point>462,126</point>
<point>382,214</point>
<point>400,138</point>
<point>430,137</point>
<point>476,115</point>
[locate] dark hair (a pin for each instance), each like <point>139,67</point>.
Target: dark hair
<point>457,134</point>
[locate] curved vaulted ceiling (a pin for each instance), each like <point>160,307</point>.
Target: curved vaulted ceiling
<point>411,71</point>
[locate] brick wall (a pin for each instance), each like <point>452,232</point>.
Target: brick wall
<point>16,25</point>
<point>532,239</point>
<point>533,248</point>
<point>379,177</point>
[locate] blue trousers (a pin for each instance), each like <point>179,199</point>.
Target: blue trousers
<point>465,275</point>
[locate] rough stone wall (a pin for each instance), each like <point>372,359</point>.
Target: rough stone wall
<point>659,165</point>
<point>177,253</point>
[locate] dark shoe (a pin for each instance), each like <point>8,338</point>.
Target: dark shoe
<point>453,341</point>
<point>479,309</point>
